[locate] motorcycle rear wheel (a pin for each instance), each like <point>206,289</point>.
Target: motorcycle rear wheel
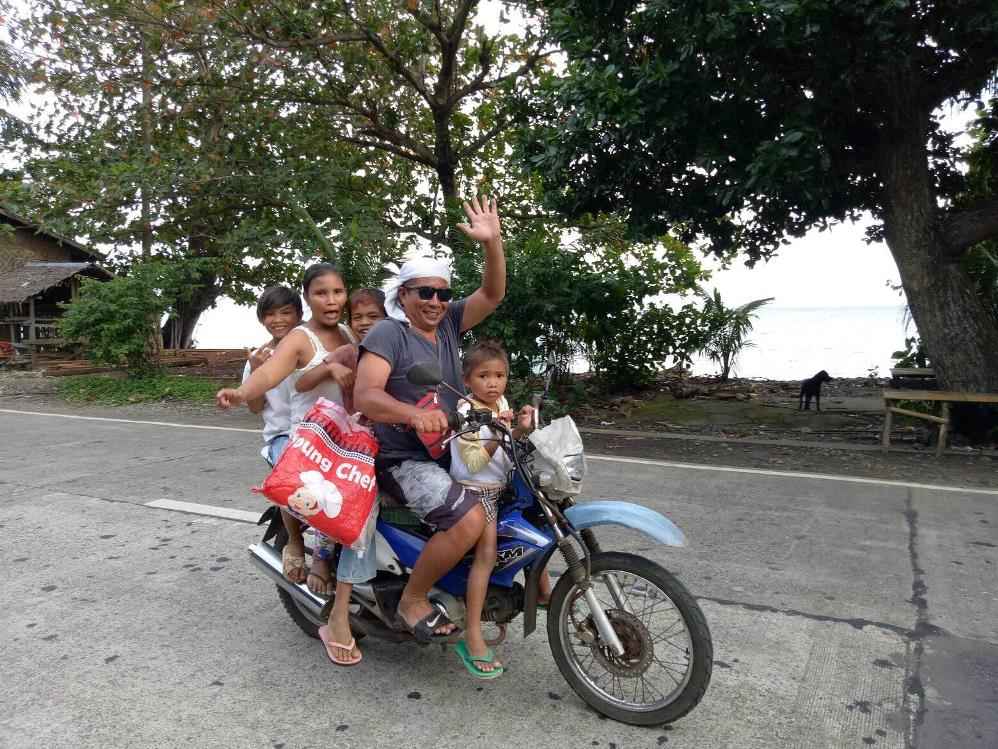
<point>669,655</point>
<point>299,617</point>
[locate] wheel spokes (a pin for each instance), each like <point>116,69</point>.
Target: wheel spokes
<point>658,663</point>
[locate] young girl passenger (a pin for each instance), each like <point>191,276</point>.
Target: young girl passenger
<point>479,462</point>
<point>301,351</point>
<point>367,306</point>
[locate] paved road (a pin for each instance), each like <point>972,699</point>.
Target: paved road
<point>843,613</point>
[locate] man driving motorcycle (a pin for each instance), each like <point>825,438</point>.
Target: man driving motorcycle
<point>426,324</point>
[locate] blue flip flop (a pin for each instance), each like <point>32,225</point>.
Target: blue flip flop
<point>470,662</point>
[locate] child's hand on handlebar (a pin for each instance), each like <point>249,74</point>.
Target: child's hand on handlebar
<point>430,421</point>
<point>229,397</point>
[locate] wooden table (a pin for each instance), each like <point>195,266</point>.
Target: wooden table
<point>943,397</point>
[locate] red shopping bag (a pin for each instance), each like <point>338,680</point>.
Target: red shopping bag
<point>326,473</point>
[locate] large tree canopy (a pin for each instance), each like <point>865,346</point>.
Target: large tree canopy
<point>237,139</point>
<point>155,139</point>
<point>747,121</point>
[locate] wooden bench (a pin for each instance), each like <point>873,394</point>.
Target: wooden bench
<point>914,375</point>
<point>944,397</point>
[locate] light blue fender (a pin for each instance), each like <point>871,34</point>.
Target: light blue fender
<point>606,512</point>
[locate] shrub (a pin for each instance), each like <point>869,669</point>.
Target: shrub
<point>117,321</point>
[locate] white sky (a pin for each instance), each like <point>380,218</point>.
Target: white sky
<point>834,268</point>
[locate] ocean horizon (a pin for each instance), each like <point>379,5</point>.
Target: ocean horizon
<point>793,343</point>
<point>788,343</point>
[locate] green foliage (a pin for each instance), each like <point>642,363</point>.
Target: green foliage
<point>628,349</point>
<point>913,354</point>
<point>116,391</point>
<point>592,299</point>
<point>13,72</point>
<point>117,321</point>
<point>727,329</point>
<point>284,131</point>
<point>163,137</point>
<point>981,262</point>
<point>564,396</point>
<point>748,120</point>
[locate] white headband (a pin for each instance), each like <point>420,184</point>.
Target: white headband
<point>420,267</point>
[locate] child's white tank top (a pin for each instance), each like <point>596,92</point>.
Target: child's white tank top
<point>302,402</point>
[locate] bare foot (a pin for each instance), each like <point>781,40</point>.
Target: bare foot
<point>318,580</point>
<point>544,589</point>
<point>340,632</point>
<point>477,648</point>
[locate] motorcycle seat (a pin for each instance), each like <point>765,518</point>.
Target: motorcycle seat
<point>395,513</point>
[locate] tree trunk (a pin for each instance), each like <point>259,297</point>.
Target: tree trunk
<point>959,333</point>
<point>180,333</point>
<point>147,73</point>
<point>447,164</point>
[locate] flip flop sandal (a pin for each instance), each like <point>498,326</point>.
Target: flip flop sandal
<point>291,563</point>
<point>331,646</point>
<point>327,588</point>
<point>424,629</point>
<point>470,662</point>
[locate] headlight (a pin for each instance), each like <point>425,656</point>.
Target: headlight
<point>544,478</point>
<point>576,466</point>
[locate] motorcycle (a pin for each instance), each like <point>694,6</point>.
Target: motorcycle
<point>625,633</point>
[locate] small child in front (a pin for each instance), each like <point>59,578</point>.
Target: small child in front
<point>279,310</point>
<point>478,462</point>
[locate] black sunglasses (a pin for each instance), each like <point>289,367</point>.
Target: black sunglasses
<point>426,293</point>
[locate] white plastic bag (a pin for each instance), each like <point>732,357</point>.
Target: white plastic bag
<point>560,452</point>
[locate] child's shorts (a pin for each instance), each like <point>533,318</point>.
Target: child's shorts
<point>352,568</point>
<point>490,500</point>
<point>275,447</point>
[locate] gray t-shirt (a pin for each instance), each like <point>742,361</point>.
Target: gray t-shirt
<point>396,343</point>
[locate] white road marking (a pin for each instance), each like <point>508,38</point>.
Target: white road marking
<point>131,421</point>
<point>794,475</point>
<point>607,458</point>
<point>193,508</point>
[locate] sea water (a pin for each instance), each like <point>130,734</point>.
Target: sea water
<point>795,343</point>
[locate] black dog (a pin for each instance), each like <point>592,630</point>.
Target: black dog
<point>811,388</point>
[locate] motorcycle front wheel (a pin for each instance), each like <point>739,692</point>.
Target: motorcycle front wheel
<point>668,654</point>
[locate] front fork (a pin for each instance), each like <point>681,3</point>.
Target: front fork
<point>577,569</point>
<point>611,580</point>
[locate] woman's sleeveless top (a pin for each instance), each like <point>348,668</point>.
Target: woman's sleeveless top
<point>302,402</point>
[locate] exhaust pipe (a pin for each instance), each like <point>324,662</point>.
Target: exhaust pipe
<point>268,561</point>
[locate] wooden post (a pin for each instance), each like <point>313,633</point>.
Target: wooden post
<point>888,418</point>
<point>31,333</point>
<point>943,429</point>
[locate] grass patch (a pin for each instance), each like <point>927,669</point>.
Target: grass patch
<point>117,391</point>
<point>699,412</point>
